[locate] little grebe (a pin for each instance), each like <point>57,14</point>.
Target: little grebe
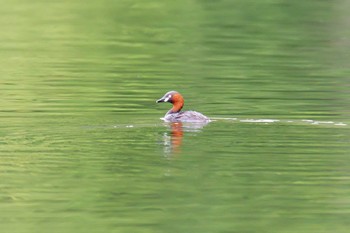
<point>175,114</point>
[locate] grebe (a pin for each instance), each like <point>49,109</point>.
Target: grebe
<point>175,115</point>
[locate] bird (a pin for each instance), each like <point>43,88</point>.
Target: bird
<point>175,114</point>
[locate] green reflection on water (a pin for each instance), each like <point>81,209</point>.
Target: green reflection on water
<point>83,149</point>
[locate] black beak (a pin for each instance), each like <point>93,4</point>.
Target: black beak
<point>161,100</point>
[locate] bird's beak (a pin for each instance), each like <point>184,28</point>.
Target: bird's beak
<point>161,100</point>
<point>165,98</point>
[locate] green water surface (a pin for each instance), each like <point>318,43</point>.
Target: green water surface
<point>82,148</point>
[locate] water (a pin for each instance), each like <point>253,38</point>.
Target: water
<point>82,148</point>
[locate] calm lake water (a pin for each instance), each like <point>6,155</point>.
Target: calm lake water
<point>82,148</point>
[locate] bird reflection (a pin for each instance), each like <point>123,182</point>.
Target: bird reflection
<point>174,137</point>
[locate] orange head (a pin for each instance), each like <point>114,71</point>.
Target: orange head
<point>175,98</point>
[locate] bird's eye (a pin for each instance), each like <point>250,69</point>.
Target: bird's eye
<point>167,98</point>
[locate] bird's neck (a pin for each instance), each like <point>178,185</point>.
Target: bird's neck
<point>177,106</point>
